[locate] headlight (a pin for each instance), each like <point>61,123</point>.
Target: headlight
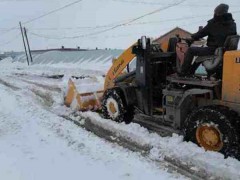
<point>170,99</point>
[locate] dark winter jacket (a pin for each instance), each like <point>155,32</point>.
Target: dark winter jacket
<point>217,30</point>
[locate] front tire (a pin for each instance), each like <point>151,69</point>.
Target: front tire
<point>115,108</point>
<point>215,128</point>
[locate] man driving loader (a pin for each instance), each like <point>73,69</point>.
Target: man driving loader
<point>217,30</point>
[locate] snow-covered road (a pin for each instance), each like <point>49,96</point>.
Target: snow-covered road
<point>37,144</point>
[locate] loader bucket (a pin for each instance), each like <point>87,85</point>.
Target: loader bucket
<point>90,99</point>
<point>82,101</point>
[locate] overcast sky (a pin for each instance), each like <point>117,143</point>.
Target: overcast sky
<point>78,19</point>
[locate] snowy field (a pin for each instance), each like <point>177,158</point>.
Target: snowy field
<point>36,143</point>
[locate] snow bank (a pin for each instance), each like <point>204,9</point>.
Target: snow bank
<point>172,147</point>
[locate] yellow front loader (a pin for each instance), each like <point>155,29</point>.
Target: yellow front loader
<point>205,111</point>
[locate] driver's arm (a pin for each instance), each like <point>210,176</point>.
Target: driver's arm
<point>201,33</point>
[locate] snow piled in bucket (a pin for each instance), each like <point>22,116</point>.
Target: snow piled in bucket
<point>89,84</point>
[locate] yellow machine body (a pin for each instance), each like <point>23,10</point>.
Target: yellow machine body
<point>231,77</point>
<point>231,80</point>
<point>118,66</point>
<point>91,100</point>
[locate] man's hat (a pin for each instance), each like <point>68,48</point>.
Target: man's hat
<point>221,9</point>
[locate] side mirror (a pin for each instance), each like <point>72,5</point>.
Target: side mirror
<point>144,42</point>
<point>200,28</point>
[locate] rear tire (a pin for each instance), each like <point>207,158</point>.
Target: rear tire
<point>115,108</point>
<point>215,128</point>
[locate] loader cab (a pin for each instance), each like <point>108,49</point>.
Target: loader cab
<point>213,64</point>
<point>152,68</point>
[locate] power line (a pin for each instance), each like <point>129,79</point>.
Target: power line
<point>132,24</point>
<point>127,24</point>
<point>79,27</point>
<point>140,2</point>
<point>110,25</point>
<point>161,3</point>
<point>116,26</point>
<point>53,11</point>
<point>9,30</point>
<point>10,41</point>
<point>44,15</point>
<point>86,27</point>
<point>178,19</point>
<point>124,35</point>
<point>154,12</point>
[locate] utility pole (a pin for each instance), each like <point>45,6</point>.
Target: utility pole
<point>29,50</point>
<point>24,42</point>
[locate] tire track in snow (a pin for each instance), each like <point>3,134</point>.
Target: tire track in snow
<point>44,93</point>
<point>145,150</point>
<point>5,83</point>
<point>44,86</point>
<point>47,87</point>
